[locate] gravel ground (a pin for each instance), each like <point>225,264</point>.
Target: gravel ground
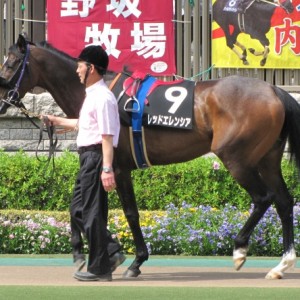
<point>151,276</point>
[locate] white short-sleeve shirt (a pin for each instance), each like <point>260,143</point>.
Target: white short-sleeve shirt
<point>99,115</point>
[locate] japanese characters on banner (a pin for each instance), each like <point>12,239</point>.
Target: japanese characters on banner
<point>138,34</point>
<point>263,21</point>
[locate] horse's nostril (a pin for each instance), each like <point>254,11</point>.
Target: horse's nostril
<point>3,108</point>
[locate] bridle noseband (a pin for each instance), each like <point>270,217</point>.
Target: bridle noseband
<point>13,96</point>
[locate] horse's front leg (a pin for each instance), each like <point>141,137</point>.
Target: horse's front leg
<point>127,198</point>
<point>242,56</point>
<point>233,44</point>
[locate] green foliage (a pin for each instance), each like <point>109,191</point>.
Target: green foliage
<point>26,183</point>
<point>196,182</point>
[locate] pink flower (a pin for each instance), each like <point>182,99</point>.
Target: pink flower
<point>216,165</point>
<point>11,236</point>
<point>41,238</point>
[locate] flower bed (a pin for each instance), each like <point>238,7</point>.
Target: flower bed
<point>183,230</point>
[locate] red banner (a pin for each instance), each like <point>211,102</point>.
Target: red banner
<point>135,33</point>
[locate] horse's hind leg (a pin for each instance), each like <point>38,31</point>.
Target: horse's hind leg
<point>284,206</point>
<point>266,45</point>
<point>265,186</point>
<point>264,53</point>
<point>262,197</point>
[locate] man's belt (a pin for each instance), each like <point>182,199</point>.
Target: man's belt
<point>97,147</point>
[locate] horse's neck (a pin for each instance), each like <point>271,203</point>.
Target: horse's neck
<point>60,79</point>
<point>262,12</point>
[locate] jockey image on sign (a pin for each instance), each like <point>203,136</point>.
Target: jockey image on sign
<point>242,5</point>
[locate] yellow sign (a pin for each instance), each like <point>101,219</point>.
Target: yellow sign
<point>264,35</point>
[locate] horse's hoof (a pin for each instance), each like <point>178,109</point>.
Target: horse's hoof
<point>274,275</point>
<point>238,263</point>
<point>245,62</point>
<point>251,50</point>
<point>263,62</point>
<point>131,273</point>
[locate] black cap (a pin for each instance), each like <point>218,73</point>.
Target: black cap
<point>95,55</point>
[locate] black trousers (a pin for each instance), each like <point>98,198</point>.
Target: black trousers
<point>89,214</point>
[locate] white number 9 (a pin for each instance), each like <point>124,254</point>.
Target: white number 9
<point>176,95</point>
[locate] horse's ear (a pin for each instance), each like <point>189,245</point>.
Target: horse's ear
<point>21,43</point>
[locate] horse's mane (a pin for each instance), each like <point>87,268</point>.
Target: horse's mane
<point>45,45</point>
<point>55,51</point>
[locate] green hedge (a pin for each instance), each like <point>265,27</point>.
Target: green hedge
<point>27,183</point>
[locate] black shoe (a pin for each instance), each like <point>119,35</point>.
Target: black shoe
<point>116,260</point>
<point>87,276</point>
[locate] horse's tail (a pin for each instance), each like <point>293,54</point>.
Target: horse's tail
<point>292,123</point>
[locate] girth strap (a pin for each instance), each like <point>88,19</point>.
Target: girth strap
<point>138,148</point>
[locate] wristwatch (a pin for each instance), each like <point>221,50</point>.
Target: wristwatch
<point>107,169</point>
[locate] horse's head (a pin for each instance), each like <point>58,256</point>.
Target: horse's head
<point>11,74</point>
<point>287,5</point>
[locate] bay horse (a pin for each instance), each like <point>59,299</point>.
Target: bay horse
<point>246,122</point>
<point>256,22</point>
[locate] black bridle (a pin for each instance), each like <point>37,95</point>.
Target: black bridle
<point>13,99</point>
<point>13,95</point>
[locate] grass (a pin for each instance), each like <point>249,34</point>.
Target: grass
<point>144,293</point>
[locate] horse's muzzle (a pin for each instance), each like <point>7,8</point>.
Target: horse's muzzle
<point>3,107</point>
<point>4,90</point>
<point>5,84</point>
<point>3,95</point>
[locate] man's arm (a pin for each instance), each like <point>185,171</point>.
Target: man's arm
<point>108,179</point>
<point>70,124</point>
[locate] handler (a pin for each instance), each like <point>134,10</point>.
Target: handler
<point>98,133</point>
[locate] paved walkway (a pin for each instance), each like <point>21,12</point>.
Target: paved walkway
<point>194,272</point>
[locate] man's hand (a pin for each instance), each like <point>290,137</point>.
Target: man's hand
<point>108,181</point>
